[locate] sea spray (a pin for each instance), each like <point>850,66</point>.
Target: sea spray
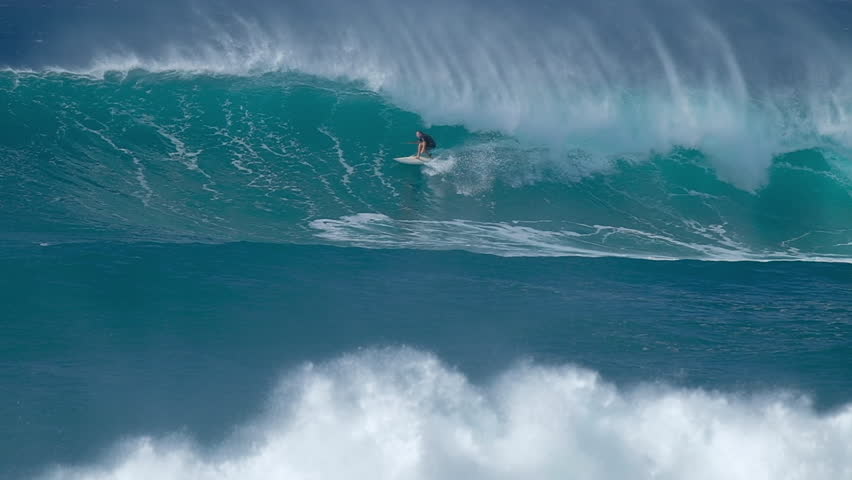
<point>401,413</point>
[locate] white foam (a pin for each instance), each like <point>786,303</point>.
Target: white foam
<point>341,157</point>
<point>523,239</point>
<point>400,414</point>
<point>378,159</point>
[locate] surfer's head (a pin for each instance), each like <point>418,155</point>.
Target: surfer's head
<point>418,133</point>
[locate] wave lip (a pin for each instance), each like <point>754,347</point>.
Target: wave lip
<point>401,414</point>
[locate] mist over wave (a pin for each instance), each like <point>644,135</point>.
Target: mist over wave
<point>650,129</point>
<point>400,413</point>
<point>604,77</point>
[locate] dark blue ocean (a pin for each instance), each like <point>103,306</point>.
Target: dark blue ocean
<point>628,259</point>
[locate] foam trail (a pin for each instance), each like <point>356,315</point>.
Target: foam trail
<point>522,239</point>
<point>401,414</point>
<point>147,192</point>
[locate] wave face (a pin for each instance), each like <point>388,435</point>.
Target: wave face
<point>284,157</point>
<point>394,414</point>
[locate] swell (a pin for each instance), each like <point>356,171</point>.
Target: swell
<point>285,157</point>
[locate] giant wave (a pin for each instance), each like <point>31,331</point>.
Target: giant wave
<point>564,130</point>
<point>284,157</point>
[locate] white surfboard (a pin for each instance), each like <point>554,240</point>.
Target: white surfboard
<point>412,160</point>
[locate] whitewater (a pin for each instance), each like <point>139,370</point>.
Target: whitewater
<point>358,417</point>
<point>628,258</point>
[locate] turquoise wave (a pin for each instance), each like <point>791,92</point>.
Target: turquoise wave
<point>285,157</point>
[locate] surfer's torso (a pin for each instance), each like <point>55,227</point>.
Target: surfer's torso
<point>430,142</point>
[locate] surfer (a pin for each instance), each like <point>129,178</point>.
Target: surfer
<point>425,144</point>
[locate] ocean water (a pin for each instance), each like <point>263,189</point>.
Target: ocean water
<point>629,258</point>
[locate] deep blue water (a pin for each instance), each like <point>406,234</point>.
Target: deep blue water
<point>109,340</point>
